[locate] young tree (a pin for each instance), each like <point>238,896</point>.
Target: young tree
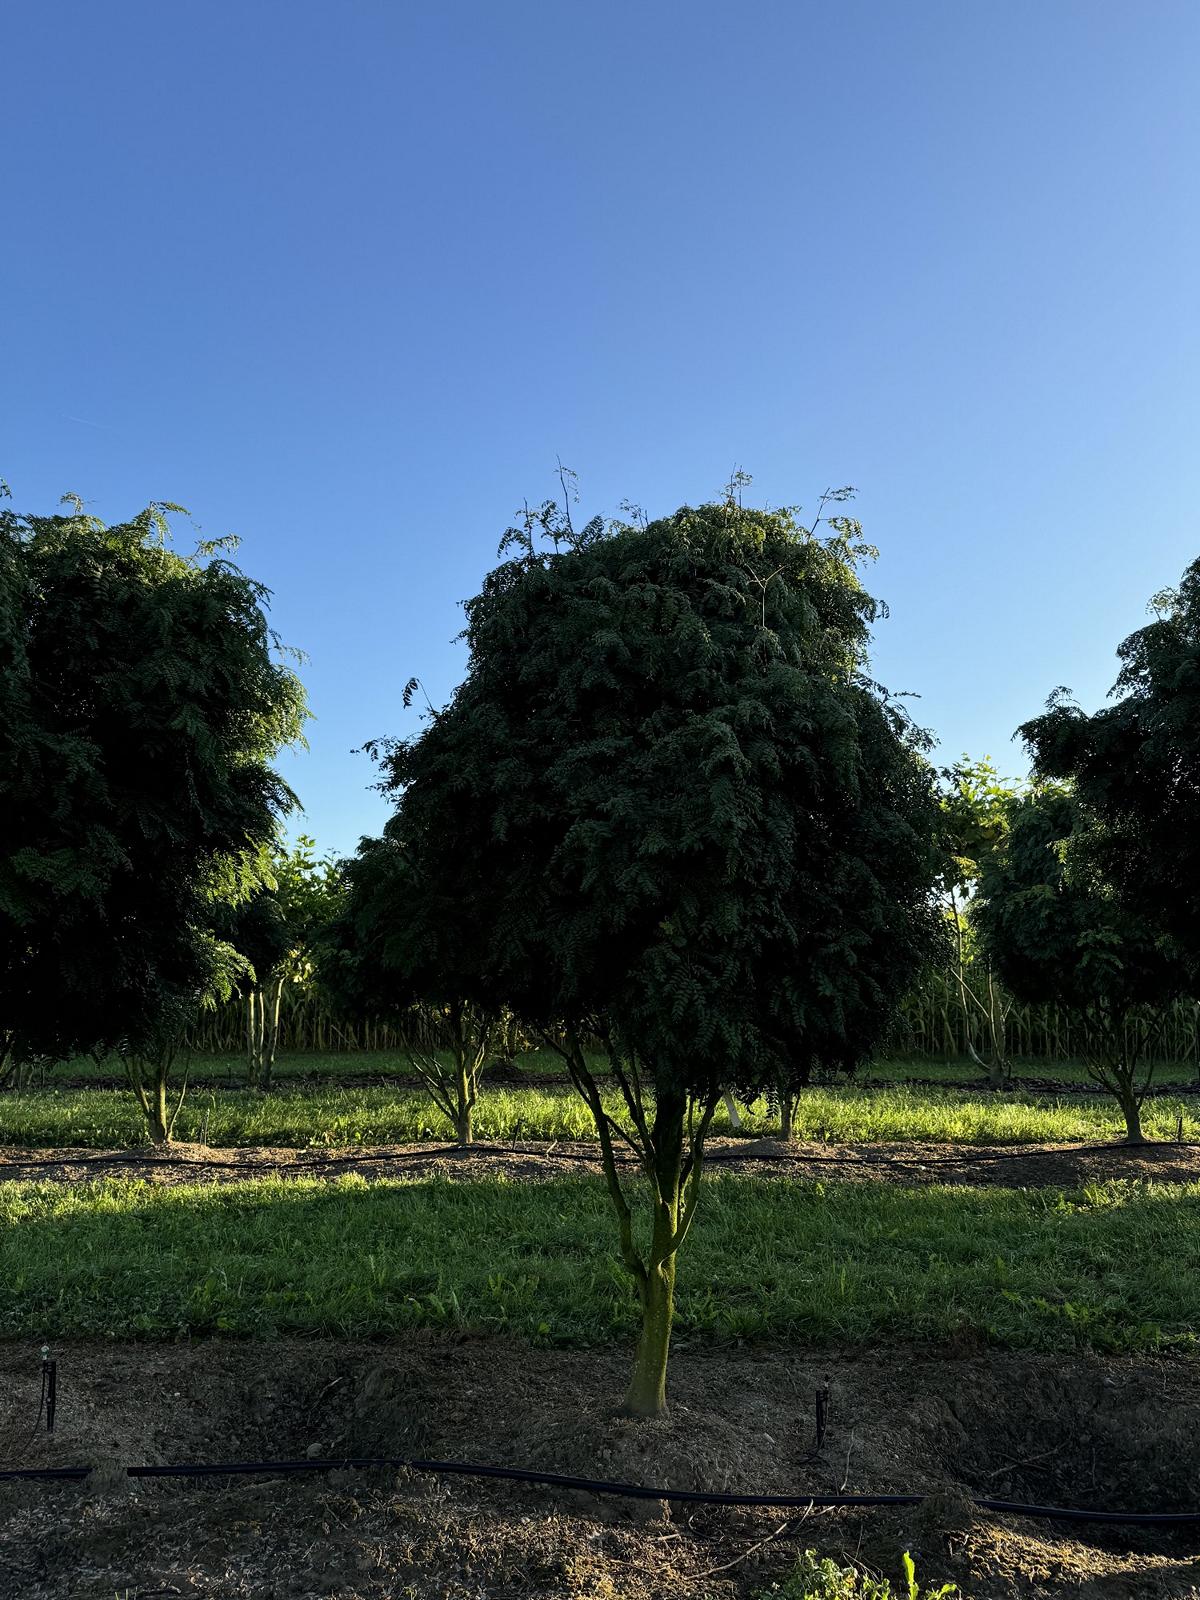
<point>1136,765</point>
<point>277,932</point>
<point>1058,933</point>
<point>401,947</point>
<point>143,700</point>
<point>681,820</point>
<point>976,805</point>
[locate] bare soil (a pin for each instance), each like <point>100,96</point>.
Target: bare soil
<point>1084,1431</point>
<point>1006,1166</point>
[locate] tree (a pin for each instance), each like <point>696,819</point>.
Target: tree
<point>680,819</point>
<point>142,699</point>
<point>1136,765</point>
<point>277,931</point>
<point>976,806</point>
<point>400,947</point>
<point>1057,932</point>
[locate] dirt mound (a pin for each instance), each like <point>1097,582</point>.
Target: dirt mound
<point>914,1162</point>
<point>1081,1431</point>
<point>1092,1434</point>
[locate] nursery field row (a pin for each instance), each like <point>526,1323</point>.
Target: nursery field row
<point>338,1116</point>
<point>1110,1267</point>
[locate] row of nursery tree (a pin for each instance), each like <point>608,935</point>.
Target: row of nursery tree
<point>669,818</point>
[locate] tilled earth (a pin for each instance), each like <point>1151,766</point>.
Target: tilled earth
<point>1008,1166</point>
<point>1079,1431</point>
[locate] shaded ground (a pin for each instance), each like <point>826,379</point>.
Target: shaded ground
<point>1063,1430</point>
<point>1024,1166</point>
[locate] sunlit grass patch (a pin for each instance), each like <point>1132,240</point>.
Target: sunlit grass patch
<point>332,1115</point>
<point>1111,1267</point>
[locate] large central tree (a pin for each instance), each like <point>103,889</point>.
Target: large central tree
<point>688,826</point>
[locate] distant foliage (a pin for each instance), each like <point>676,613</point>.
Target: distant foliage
<point>1056,930</point>
<point>1136,765</point>
<point>142,698</point>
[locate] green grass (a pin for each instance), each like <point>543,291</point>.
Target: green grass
<point>229,1071</point>
<point>1111,1267</point>
<point>325,1114</point>
<point>964,1073</point>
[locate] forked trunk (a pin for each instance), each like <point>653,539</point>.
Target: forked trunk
<point>647,1393</point>
<point>670,1141</point>
<point>150,1082</point>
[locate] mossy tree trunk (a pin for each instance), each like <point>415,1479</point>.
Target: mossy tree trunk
<point>667,1140</point>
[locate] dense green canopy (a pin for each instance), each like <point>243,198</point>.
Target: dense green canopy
<point>1057,932</point>
<point>141,701</point>
<point>672,801</point>
<point>1052,923</point>
<point>1136,765</point>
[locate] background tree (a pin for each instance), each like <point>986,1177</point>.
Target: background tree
<point>277,931</point>
<point>976,804</point>
<point>1136,765</point>
<point>144,699</point>
<point>401,948</point>
<point>684,822</point>
<point>1057,932</point>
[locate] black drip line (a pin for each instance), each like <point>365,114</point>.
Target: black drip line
<point>631,1491</point>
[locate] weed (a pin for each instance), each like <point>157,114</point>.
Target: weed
<point>820,1578</point>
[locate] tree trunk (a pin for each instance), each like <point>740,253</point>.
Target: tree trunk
<point>647,1393</point>
<point>1132,1111</point>
<point>150,1081</point>
<point>464,1119</point>
<point>156,1110</point>
<point>787,1111</point>
<point>271,1039</point>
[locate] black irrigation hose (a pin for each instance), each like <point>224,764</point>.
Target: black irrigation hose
<point>630,1491</point>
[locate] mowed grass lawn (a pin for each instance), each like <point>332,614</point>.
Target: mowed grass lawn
<point>328,1115</point>
<point>1112,1267</point>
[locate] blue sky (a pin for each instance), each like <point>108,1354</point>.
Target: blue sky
<point>346,278</point>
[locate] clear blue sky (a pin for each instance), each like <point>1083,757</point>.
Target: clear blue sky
<point>344,278</point>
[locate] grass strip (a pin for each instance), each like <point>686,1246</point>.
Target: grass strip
<point>322,1115</point>
<point>1110,1267</point>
